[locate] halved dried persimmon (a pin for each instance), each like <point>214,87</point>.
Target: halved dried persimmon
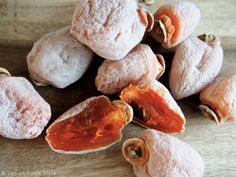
<point>154,107</point>
<point>92,125</point>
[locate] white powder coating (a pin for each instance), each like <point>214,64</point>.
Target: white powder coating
<point>162,91</point>
<point>140,63</point>
<point>188,16</point>
<point>23,112</point>
<point>111,28</point>
<point>58,59</point>
<point>194,66</point>
<point>169,157</point>
<point>220,95</point>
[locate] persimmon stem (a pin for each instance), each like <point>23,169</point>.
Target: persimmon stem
<point>161,60</point>
<point>135,152</point>
<point>161,30</point>
<point>146,2</point>
<point>4,72</point>
<point>211,114</point>
<point>210,39</point>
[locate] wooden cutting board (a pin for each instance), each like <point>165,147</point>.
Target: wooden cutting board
<point>35,158</point>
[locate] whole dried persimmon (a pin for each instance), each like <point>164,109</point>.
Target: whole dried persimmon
<point>154,154</point>
<point>196,63</point>
<point>174,22</point>
<point>141,63</point>
<point>23,112</point>
<point>218,99</point>
<point>110,28</point>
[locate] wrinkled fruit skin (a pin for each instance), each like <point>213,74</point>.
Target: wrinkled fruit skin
<point>194,66</point>
<point>154,106</point>
<point>140,63</point>
<point>92,125</point>
<point>182,17</point>
<point>58,59</point>
<point>168,157</point>
<point>24,113</point>
<point>110,28</point>
<point>220,96</point>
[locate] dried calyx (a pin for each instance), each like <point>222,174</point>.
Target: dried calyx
<point>127,107</point>
<point>147,18</point>
<point>39,83</point>
<point>211,114</point>
<point>164,29</point>
<point>150,20</point>
<point>4,72</point>
<point>146,2</point>
<point>135,152</point>
<point>210,39</point>
<point>161,60</point>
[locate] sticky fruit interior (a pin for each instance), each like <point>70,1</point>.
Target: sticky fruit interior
<point>135,152</point>
<point>151,110</point>
<point>98,125</point>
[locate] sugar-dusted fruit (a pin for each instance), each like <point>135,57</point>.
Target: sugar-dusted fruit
<point>154,154</point>
<point>175,22</point>
<point>140,63</point>
<point>92,125</point>
<point>196,63</point>
<point>23,112</point>
<point>219,99</point>
<point>154,106</point>
<point>110,28</point>
<point>58,59</point>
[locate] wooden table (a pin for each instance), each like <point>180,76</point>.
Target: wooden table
<point>35,158</point>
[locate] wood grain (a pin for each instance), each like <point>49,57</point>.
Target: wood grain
<point>23,22</point>
<point>35,158</point>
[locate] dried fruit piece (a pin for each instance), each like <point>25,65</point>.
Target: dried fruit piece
<point>23,112</point>
<point>196,63</point>
<point>140,63</point>
<point>58,59</point>
<point>110,28</point>
<point>154,107</point>
<point>95,124</point>
<point>154,154</point>
<point>175,22</point>
<point>219,98</point>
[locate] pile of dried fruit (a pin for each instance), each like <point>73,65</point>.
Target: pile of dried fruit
<point>113,30</point>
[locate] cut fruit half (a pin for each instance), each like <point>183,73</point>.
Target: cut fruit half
<point>153,108</point>
<point>92,125</point>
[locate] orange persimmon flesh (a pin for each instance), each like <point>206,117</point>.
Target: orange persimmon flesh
<point>98,125</point>
<point>160,116</point>
<point>167,13</point>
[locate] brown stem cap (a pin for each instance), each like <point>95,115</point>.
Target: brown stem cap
<point>211,114</point>
<point>128,109</point>
<point>161,60</point>
<point>210,39</point>
<point>135,151</point>
<point>4,72</point>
